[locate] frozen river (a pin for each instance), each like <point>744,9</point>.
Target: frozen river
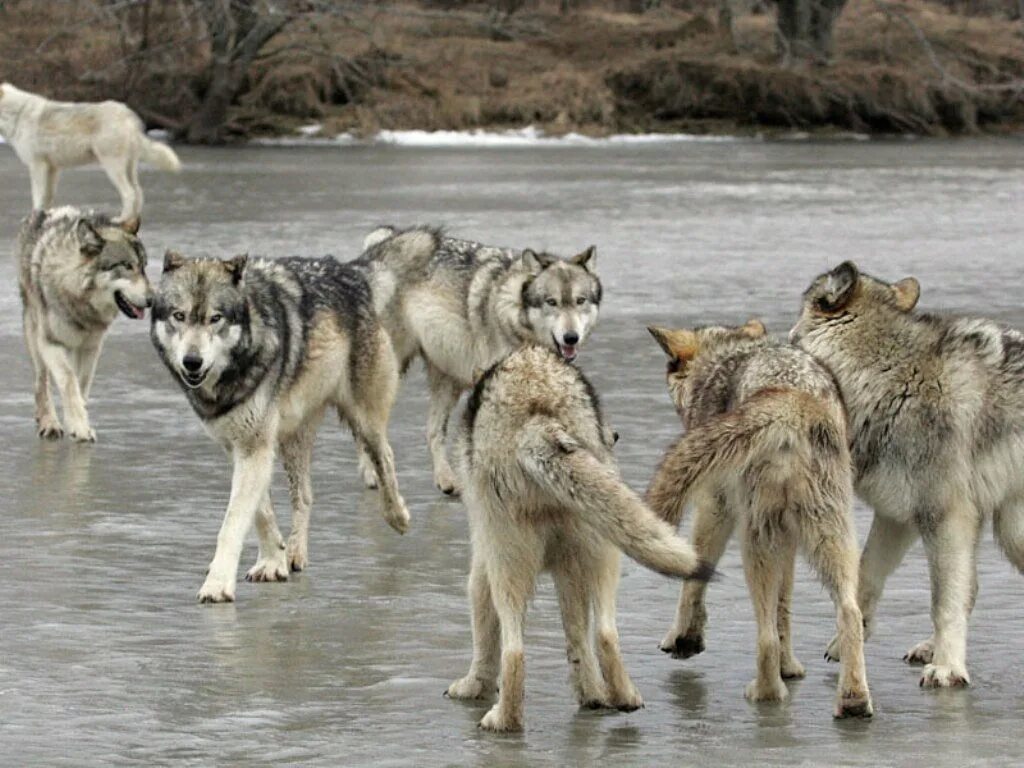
<point>106,658</point>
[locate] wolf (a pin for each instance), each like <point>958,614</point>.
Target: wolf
<point>262,348</point>
<point>50,135</point>
<point>544,493</point>
<point>76,271</point>
<point>462,306</point>
<point>936,408</point>
<point>765,453</point>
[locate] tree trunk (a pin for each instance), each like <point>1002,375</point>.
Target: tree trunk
<point>237,34</point>
<point>805,30</point>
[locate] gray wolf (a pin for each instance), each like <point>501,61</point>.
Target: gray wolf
<point>462,306</point>
<point>544,493</point>
<point>765,454</point>
<point>76,271</point>
<point>937,437</point>
<point>262,348</point>
<point>50,135</point>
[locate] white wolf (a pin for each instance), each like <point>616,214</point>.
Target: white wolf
<point>543,493</point>
<point>50,135</point>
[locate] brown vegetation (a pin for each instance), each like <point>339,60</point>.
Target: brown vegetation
<point>597,67</point>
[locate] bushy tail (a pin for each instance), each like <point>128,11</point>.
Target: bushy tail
<point>770,424</point>
<point>594,491</point>
<point>159,155</point>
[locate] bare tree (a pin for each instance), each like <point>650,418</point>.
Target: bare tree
<point>805,30</point>
<point>237,31</point>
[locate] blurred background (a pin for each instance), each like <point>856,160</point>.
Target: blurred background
<point>210,71</point>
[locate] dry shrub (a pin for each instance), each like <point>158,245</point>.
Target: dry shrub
<point>296,90</point>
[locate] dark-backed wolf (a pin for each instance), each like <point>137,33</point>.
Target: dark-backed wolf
<point>76,271</point>
<point>262,348</point>
<point>50,135</point>
<point>936,410</point>
<point>764,454</point>
<point>462,306</point>
<point>544,493</point>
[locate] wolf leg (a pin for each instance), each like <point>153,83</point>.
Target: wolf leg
<point>48,425</point>
<point>764,580</point>
<point>712,527</point>
<point>830,543</point>
<point>888,541</point>
<point>117,169</point>
<point>86,359</point>
<point>272,562</point>
<point>366,470</point>
<point>297,454</point>
<point>44,183</point>
<point>482,679</point>
<point>573,583</point>
<point>790,667</point>
<point>512,575</point>
<point>952,551</point>
<point>622,693</point>
<point>444,394</point>
<point>250,483</point>
<point>58,362</point>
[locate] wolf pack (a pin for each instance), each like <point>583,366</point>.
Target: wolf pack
<point>920,415</point>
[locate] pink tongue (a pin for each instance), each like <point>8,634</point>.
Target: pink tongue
<point>139,312</point>
<point>568,351</point>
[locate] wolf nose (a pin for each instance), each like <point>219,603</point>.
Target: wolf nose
<point>571,338</point>
<point>192,363</point>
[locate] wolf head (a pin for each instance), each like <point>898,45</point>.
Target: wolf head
<point>683,346</point>
<point>562,298</point>
<point>845,293</point>
<point>200,316</point>
<point>108,260</point>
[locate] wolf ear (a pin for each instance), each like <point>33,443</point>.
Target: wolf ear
<point>236,267</point>
<point>89,240</point>
<point>173,260</point>
<point>678,345</point>
<point>131,226</point>
<point>587,259</point>
<point>754,328</point>
<point>836,289</point>
<point>536,262</point>
<point>907,291</point>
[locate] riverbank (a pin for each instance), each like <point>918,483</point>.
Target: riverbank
<point>912,67</point>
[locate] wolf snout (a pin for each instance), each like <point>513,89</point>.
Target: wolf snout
<point>571,338</point>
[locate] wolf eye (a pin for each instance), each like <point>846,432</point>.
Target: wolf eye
<point>581,300</point>
<point>179,316</point>
<point>215,318</point>
<point>551,302</point>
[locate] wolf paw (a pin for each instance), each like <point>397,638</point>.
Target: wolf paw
<point>49,429</point>
<point>470,687</point>
<point>369,476</point>
<point>832,651</point>
<point>921,653</point>
<point>682,646</point>
<point>297,554</point>
<point>445,481</point>
<point>82,435</point>
<point>627,700</point>
<point>216,591</point>
<point>854,704</point>
<point>759,690</point>
<point>398,517</point>
<point>942,676</point>
<point>792,669</point>
<point>500,722</point>
<point>273,568</point>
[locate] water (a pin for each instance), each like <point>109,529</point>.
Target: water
<point>105,658</point>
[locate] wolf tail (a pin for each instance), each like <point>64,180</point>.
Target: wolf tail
<point>159,155</point>
<point>571,474</point>
<point>773,426</point>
